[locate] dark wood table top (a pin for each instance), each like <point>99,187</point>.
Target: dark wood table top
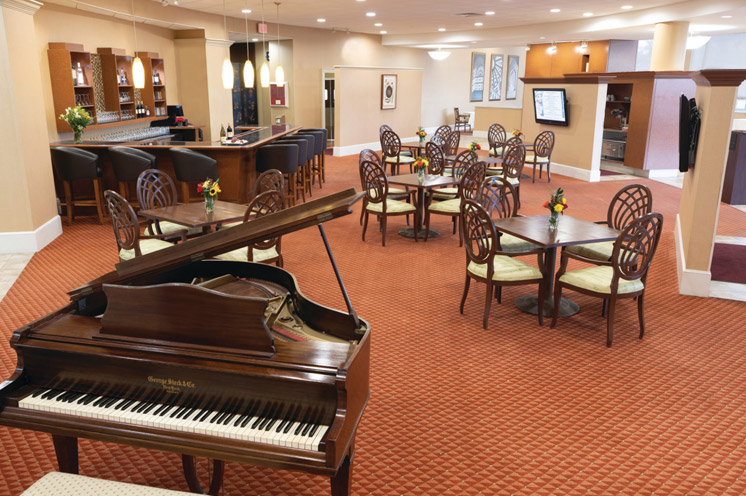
<point>491,160</point>
<point>571,231</point>
<point>431,181</point>
<point>194,214</point>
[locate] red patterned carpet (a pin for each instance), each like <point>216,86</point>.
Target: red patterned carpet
<point>457,410</point>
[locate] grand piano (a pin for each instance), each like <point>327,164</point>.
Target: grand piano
<point>207,358</point>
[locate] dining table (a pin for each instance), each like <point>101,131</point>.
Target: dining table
<point>419,147</point>
<point>195,215</point>
<point>570,231</point>
<point>430,182</point>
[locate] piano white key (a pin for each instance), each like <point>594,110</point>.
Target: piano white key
<point>319,434</point>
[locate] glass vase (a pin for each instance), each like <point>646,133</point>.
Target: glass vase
<point>421,175</point>
<point>553,221</point>
<point>78,136</point>
<point>422,141</point>
<point>209,204</point>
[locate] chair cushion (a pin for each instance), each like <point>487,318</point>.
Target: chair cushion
<point>146,246</point>
<point>169,227</point>
<point>595,251</point>
<point>392,207</point>
<point>510,243</point>
<point>530,158</point>
<point>60,484</point>
<point>402,159</point>
<point>598,279</point>
<point>445,193</point>
<point>239,255</point>
<point>230,224</point>
<point>446,207</point>
<point>515,181</point>
<point>506,269</point>
<point>498,154</point>
<point>493,171</point>
<point>392,191</point>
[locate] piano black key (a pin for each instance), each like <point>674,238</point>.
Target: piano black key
<point>252,412</point>
<point>232,412</point>
<point>146,402</point>
<point>187,407</point>
<point>51,394</point>
<point>264,413</point>
<point>286,419</point>
<point>276,416</point>
<point>227,405</point>
<point>308,424</point>
<point>86,399</point>
<point>316,423</point>
<point>36,393</point>
<point>73,397</point>
<point>243,415</point>
<point>155,403</point>
<point>303,422</point>
<point>269,416</point>
<point>298,409</point>
<point>208,409</point>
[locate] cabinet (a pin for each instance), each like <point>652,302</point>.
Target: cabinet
<point>66,92</point>
<point>119,96</point>
<point>154,94</point>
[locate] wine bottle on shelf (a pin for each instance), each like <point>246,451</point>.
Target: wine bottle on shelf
<point>147,111</point>
<point>156,79</point>
<point>80,78</point>
<point>222,133</point>
<point>75,76</point>
<point>229,132</point>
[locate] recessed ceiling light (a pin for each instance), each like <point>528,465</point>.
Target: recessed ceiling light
<point>384,32</point>
<point>360,0</point>
<point>542,37</point>
<point>441,29</point>
<point>626,7</point>
<point>554,11</point>
<point>473,42</point>
<point>478,24</point>
<point>726,17</point>
<point>370,14</point>
<point>489,12</point>
<point>254,39</point>
<point>587,14</point>
<point>378,24</point>
<point>320,20</point>
<point>246,11</point>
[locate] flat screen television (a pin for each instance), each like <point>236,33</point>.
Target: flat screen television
<point>550,106</point>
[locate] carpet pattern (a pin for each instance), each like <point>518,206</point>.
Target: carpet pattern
<point>456,409</point>
<point>729,263</point>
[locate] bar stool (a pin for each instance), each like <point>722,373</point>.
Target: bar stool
<point>318,150</point>
<point>128,164</point>
<point>284,158</point>
<point>306,172</point>
<point>75,164</point>
<point>192,167</point>
<point>302,145</point>
<point>322,154</point>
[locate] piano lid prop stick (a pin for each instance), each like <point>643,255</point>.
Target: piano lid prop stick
<point>350,310</point>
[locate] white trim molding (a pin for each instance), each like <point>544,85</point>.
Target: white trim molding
<point>691,282</point>
<point>592,176</point>
<point>658,173</point>
<point>25,6</point>
<point>378,68</point>
<point>218,42</point>
<point>31,241</point>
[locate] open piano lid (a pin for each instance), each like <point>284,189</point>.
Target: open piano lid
<point>210,245</point>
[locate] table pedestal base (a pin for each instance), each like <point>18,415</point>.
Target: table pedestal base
<point>409,233</point>
<point>530,303</point>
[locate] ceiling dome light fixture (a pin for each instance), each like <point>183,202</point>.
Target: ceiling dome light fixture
<point>693,42</point>
<point>438,54</point>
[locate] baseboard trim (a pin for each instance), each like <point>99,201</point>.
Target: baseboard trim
<point>592,176</point>
<point>340,151</point>
<point>31,241</point>
<point>658,173</point>
<point>691,282</point>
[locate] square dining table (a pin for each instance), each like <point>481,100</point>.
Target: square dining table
<point>195,215</point>
<point>570,231</point>
<point>430,182</point>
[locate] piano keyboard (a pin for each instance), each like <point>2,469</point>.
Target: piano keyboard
<point>260,421</point>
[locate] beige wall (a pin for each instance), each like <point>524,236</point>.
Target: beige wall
<point>267,114</point>
<point>219,98</point>
<point>509,118</point>
<point>191,60</point>
<point>359,103</point>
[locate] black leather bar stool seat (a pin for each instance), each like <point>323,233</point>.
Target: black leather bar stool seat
<point>128,164</point>
<point>75,164</point>
<point>306,172</point>
<point>283,157</point>
<point>192,167</point>
<point>318,150</point>
<point>297,178</point>
<point>321,152</point>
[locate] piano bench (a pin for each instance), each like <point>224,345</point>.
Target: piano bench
<point>60,484</point>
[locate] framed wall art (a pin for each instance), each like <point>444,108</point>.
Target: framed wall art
<point>388,91</point>
<point>278,95</point>
<point>496,77</point>
<point>476,93</point>
<point>511,89</point>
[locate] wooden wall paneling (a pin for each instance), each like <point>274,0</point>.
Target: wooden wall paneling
<point>566,60</point>
<point>63,94</point>
<point>639,122</point>
<point>538,62</point>
<point>599,53</point>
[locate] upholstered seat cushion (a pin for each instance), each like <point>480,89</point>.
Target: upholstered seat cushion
<point>146,246</point>
<point>240,255</point>
<point>512,244</point>
<point>230,224</point>
<point>392,207</point>
<point>598,279</point>
<point>514,181</point>
<point>169,227</point>
<point>60,484</point>
<point>493,171</point>
<point>499,153</point>
<point>403,159</point>
<point>506,269</point>
<point>392,192</point>
<point>446,207</point>
<point>530,159</point>
<point>445,193</point>
<point>595,251</point>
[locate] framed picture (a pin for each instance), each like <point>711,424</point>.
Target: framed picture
<point>477,77</point>
<point>511,90</point>
<point>496,77</point>
<point>388,91</point>
<point>278,95</point>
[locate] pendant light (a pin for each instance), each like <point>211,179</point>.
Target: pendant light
<point>227,66</point>
<point>264,71</point>
<point>248,67</point>
<point>279,71</point>
<point>138,70</point>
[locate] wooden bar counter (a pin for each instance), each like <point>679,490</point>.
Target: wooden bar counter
<point>236,163</point>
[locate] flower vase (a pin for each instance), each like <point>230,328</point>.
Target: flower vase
<point>553,221</point>
<point>421,175</point>
<point>78,136</point>
<point>422,141</point>
<point>209,204</point>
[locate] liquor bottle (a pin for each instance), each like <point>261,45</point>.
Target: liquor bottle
<point>222,133</point>
<point>80,78</point>
<point>156,79</point>
<point>147,111</point>
<point>75,76</point>
<point>229,132</point>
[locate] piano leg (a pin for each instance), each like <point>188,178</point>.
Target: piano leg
<point>342,482</point>
<point>66,449</point>
<point>190,474</point>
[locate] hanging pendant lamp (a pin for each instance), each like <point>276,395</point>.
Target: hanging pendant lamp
<point>227,66</point>
<point>248,67</point>
<point>279,71</point>
<point>264,71</point>
<point>138,70</point>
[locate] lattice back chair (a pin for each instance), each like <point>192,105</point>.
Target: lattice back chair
<point>269,180</point>
<point>130,242</point>
<point>391,151</point>
<point>541,154</point>
<point>451,146</point>
<point>368,155</point>
<point>156,189</point>
<point>267,250</point>
<point>486,263</point>
<point>471,174</point>
<point>377,202</point>
<point>496,137</point>
<point>383,129</point>
<point>629,203</point>
<point>462,161</point>
<point>514,159</point>
<point>436,158</point>
<point>442,134</point>
<point>625,277</point>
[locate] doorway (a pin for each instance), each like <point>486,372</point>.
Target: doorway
<point>327,108</point>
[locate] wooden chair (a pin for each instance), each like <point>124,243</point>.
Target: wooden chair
<point>487,263</point>
<point>265,251</point>
<point>156,189</point>
<point>513,161</point>
<point>377,201</point>
<point>462,120</point>
<point>461,163</point>
<point>392,154</point>
<point>471,180</point>
<point>625,276</point>
<point>394,193</point>
<point>496,137</point>
<point>130,242</point>
<point>499,198</point>
<point>629,203</point>
<point>436,158</point>
<point>441,134</point>
<point>542,153</point>
<point>269,180</point>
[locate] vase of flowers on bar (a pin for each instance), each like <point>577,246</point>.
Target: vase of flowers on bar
<point>210,190</point>
<point>474,146</point>
<point>78,119</point>
<point>556,204</point>
<point>420,166</point>
<point>421,133</point>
